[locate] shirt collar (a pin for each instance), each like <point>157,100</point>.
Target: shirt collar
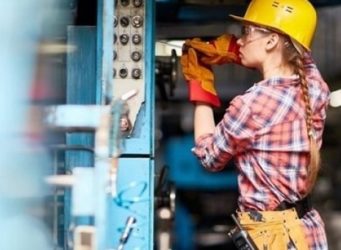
<point>290,80</point>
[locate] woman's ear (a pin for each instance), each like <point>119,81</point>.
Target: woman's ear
<point>272,41</point>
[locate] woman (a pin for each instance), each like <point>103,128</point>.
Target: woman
<point>274,130</point>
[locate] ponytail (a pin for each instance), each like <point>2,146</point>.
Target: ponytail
<point>314,164</point>
<point>296,59</point>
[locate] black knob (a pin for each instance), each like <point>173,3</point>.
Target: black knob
<point>114,73</point>
<point>136,56</point>
<point>125,3</point>
<point>123,72</point>
<point>115,21</point>
<point>115,38</point>
<point>136,38</point>
<point>114,55</point>
<point>124,39</point>
<point>136,73</point>
<point>124,21</point>
<point>137,21</point>
<point>137,3</point>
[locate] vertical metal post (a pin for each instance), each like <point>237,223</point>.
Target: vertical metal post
<point>104,80</point>
<point>135,180</point>
<point>80,89</point>
<point>105,13</point>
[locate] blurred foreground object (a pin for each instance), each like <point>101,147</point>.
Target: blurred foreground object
<point>23,159</point>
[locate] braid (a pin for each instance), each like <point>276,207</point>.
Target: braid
<point>305,92</point>
<point>296,59</point>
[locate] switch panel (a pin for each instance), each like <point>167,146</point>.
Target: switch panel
<point>129,58</point>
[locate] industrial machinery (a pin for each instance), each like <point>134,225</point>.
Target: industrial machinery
<point>118,136</point>
<point>105,195</point>
<point>108,192</point>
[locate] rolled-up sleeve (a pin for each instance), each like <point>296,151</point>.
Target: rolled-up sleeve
<point>232,135</point>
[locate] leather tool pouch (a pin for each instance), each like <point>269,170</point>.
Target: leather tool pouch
<point>240,237</point>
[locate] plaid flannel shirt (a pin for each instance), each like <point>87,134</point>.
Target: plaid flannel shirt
<point>265,131</point>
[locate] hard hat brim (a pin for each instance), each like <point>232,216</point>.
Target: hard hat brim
<point>242,19</point>
<point>238,18</point>
<point>246,21</point>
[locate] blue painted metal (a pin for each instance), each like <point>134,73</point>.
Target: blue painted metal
<point>23,161</point>
<point>105,34</point>
<point>115,144</point>
<point>184,228</point>
<point>135,197</point>
<point>142,140</point>
<point>80,89</point>
<point>81,66</point>
<point>136,175</point>
<point>104,73</point>
<point>187,173</point>
<point>135,180</point>
<point>102,211</point>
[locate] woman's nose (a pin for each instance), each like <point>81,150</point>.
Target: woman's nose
<point>240,41</point>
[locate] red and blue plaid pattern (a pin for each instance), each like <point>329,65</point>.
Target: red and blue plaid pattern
<point>265,131</point>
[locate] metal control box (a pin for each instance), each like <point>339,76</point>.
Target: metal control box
<point>133,68</point>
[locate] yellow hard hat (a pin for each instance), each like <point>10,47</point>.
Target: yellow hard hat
<point>296,18</point>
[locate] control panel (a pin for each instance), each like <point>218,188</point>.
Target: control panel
<point>128,55</point>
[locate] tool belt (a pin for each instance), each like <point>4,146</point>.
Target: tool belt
<point>258,229</point>
<point>302,206</point>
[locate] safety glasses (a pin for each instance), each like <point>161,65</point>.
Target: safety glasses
<point>248,30</point>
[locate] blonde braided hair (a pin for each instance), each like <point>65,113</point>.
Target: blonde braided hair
<point>295,58</point>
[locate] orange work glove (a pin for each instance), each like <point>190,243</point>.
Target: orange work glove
<point>221,50</point>
<point>200,79</point>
